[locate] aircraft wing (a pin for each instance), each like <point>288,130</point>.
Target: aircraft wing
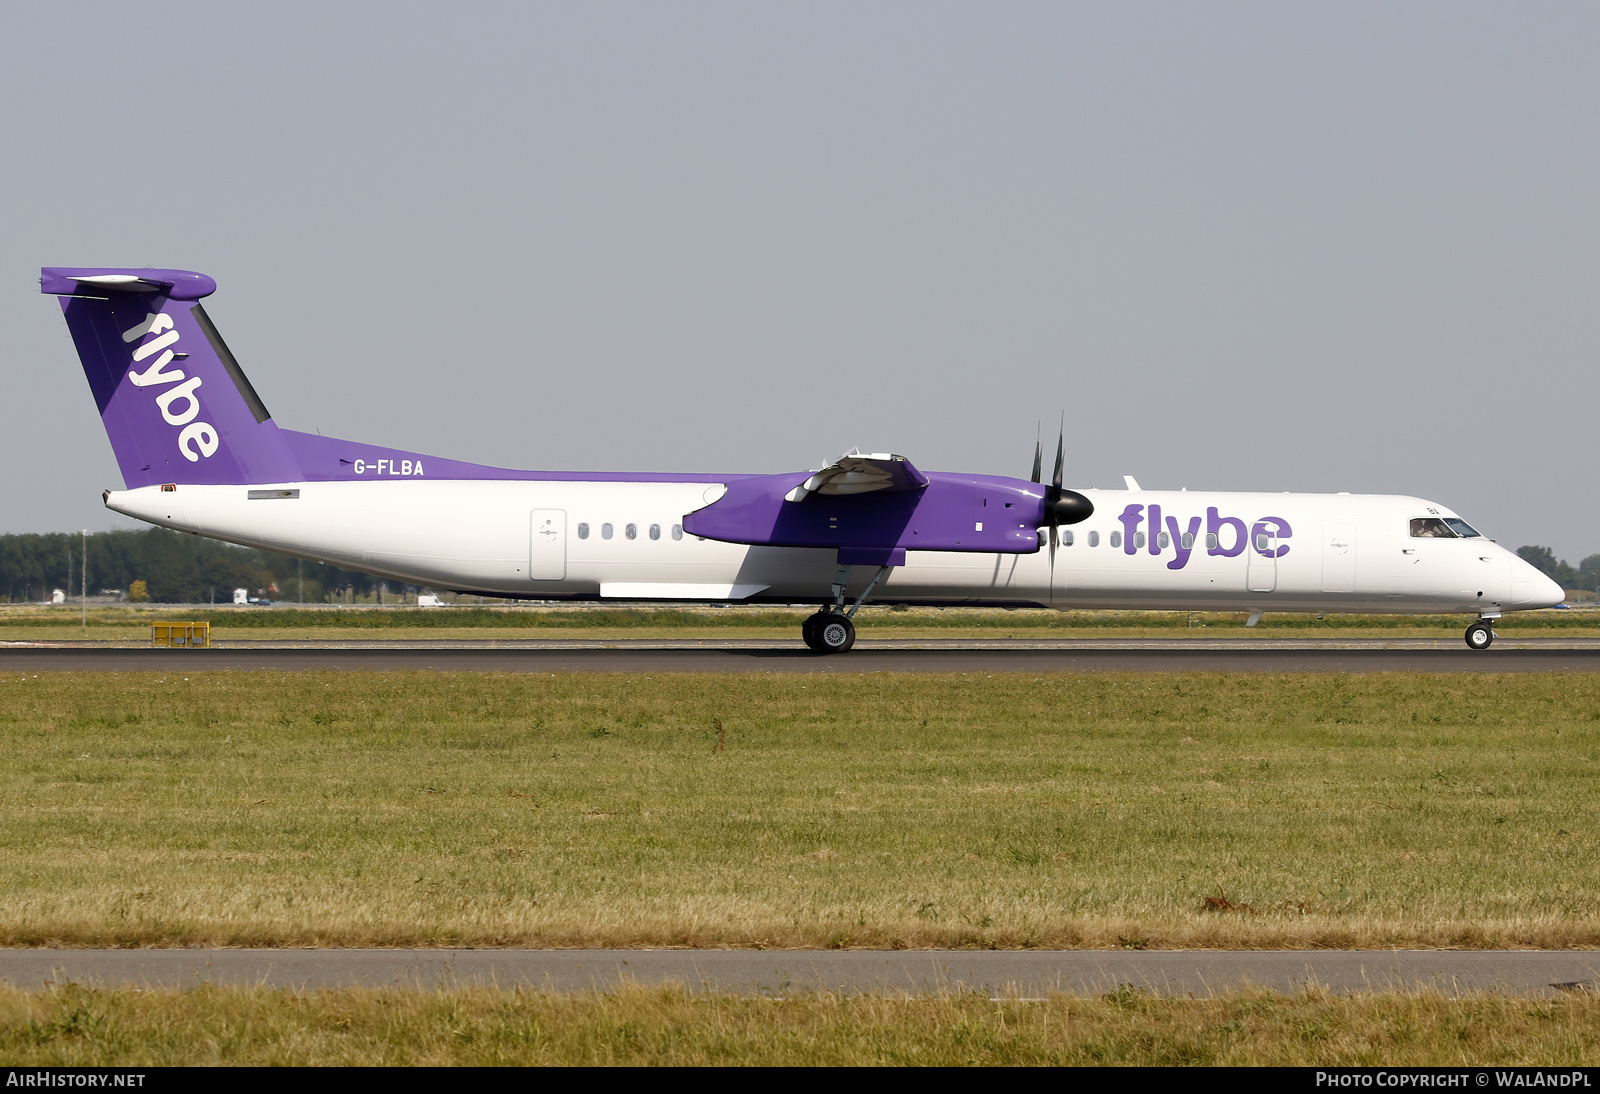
<point>858,472</point>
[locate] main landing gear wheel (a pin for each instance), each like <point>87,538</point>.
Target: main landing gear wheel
<point>836,634</point>
<point>808,630</point>
<point>829,632</point>
<point>1479,636</point>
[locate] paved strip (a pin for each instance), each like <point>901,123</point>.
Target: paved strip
<point>797,660</point>
<point>793,645</point>
<point>1001,974</point>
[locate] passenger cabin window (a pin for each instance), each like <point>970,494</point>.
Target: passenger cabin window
<point>583,531</point>
<point>1138,539</point>
<point>605,531</point>
<point>1211,541</point>
<point>1116,539</point>
<point>1094,539</point>
<point>655,531</point>
<point>1430,528</point>
<point>1188,541</point>
<point>677,531</point>
<point>1066,537</point>
<point>631,531</point>
<point>1163,540</point>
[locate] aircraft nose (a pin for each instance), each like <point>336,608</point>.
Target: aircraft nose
<point>1549,593</point>
<point>1531,589</point>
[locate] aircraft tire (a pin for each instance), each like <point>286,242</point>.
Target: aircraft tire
<point>1479,636</point>
<point>808,631</point>
<point>835,633</point>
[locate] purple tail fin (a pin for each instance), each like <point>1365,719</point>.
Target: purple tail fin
<point>174,402</point>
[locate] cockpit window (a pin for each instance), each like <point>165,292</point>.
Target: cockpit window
<point>1462,528</point>
<point>1430,528</point>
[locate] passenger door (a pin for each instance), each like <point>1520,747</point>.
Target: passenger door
<point>1262,569</point>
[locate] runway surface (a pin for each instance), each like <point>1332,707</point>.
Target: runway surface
<point>992,656</point>
<point>1002,974</point>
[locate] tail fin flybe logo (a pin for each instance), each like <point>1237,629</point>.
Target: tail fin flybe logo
<point>179,404</point>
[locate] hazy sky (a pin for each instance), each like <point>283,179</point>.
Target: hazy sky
<point>1273,246</point>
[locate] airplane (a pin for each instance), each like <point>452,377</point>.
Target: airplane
<point>200,453</point>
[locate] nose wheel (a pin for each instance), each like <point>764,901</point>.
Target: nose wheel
<point>829,632</point>
<point>1479,636</point>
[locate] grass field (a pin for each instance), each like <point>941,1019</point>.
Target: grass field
<point>74,1026</point>
<point>863,811</point>
<point>31,623</point>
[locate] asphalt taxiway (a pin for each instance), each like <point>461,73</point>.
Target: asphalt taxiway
<point>776,656</point>
<point>999,974</point>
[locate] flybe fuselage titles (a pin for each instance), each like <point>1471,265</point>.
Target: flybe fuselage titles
<point>200,453</point>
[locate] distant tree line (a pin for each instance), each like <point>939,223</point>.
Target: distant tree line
<point>175,569</point>
<point>1586,575</point>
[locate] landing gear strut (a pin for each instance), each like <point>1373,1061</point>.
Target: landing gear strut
<point>831,630</point>
<point>1480,635</point>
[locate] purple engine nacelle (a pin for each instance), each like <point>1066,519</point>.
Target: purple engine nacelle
<point>983,513</point>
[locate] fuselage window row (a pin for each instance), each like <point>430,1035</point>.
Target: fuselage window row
<point>632,531</point>
<point>1420,528</point>
<point>1425,528</point>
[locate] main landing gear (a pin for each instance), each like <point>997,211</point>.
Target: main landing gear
<point>1480,635</point>
<point>831,629</point>
<point>829,632</point>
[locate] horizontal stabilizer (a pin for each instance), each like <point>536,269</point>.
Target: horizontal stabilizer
<point>96,281</point>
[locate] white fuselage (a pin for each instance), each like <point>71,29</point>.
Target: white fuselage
<point>544,539</point>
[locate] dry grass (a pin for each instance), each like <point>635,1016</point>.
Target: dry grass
<point>880,811</point>
<point>74,1026</point>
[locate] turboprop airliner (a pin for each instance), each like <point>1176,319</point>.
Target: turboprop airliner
<point>200,453</point>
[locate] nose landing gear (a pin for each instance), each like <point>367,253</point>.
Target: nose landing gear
<point>1480,635</point>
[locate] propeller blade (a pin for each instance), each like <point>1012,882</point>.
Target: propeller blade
<point>1038,459</point>
<point>1054,538</point>
<point>1061,506</point>
<point>1061,455</point>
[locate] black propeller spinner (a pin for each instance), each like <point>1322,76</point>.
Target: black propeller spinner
<point>1060,506</point>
